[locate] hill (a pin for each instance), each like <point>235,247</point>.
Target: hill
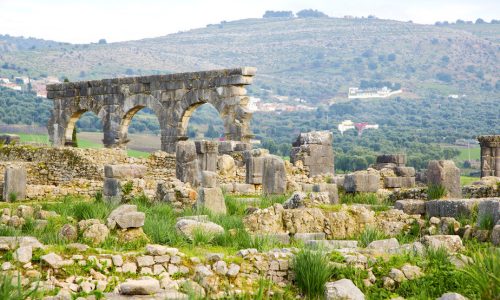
<point>312,58</point>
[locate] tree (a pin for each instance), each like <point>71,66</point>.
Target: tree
<point>278,14</point>
<point>480,21</point>
<point>460,21</point>
<point>391,57</point>
<point>445,77</point>
<point>102,41</point>
<point>311,13</point>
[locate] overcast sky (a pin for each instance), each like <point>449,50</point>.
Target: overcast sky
<point>84,21</point>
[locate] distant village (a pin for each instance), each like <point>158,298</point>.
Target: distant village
<point>24,83</point>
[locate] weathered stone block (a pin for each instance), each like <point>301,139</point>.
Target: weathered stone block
<point>450,208</point>
<point>274,175</point>
<point>488,209</point>
<point>343,289</point>
<point>399,182</point>
<point>14,183</point>
<point>226,147</point>
<point>125,171</point>
<point>244,188</point>
<point>309,236</point>
<point>211,199</point>
<point>315,151</point>
<point>207,152</point>
<point>208,179</point>
<point>410,206</point>
<point>254,170</point>
<point>8,139</point>
<point>187,168</point>
<point>405,171</point>
<point>112,191</point>
<point>398,159</point>
<point>361,182</point>
<point>446,174</point>
<point>330,188</point>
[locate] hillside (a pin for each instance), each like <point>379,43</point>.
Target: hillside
<point>315,58</point>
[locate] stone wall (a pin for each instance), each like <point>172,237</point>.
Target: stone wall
<point>314,151</point>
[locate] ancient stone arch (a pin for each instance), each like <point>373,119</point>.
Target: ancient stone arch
<point>172,98</point>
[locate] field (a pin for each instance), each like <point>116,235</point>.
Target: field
<point>85,140</point>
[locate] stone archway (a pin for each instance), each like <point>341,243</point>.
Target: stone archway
<point>172,98</point>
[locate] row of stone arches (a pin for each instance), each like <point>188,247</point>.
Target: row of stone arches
<point>172,98</point>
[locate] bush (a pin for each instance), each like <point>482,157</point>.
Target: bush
<point>312,271</point>
<point>435,192</point>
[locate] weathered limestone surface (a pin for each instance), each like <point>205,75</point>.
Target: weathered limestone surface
<point>173,98</point>
<point>450,208</point>
<point>315,151</point>
<point>411,206</point>
<point>274,175</point>
<point>361,182</point>
<point>489,208</point>
<point>212,199</point>
<point>207,155</point>
<point>446,174</point>
<point>112,190</point>
<point>490,155</point>
<point>14,183</point>
<point>254,161</point>
<point>187,168</point>
<point>124,171</point>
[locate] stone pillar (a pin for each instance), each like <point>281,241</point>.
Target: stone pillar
<point>112,191</point>
<point>187,167</point>
<point>315,151</point>
<point>446,174</point>
<point>14,183</point>
<point>254,163</point>
<point>490,155</point>
<point>274,175</point>
<point>210,194</point>
<point>207,152</point>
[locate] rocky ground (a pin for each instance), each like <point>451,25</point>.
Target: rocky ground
<point>263,248</point>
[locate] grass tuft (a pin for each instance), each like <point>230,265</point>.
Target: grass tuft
<point>312,271</point>
<point>369,235</point>
<point>435,192</point>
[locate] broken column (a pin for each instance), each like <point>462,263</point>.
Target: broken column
<point>254,162</point>
<point>207,152</point>
<point>14,183</point>
<point>274,175</point>
<point>445,174</point>
<point>315,151</point>
<point>210,194</point>
<point>114,174</point>
<point>490,155</point>
<point>187,167</point>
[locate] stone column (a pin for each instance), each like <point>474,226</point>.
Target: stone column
<point>14,183</point>
<point>207,155</point>
<point>187,168</point>
<point>490,155</point>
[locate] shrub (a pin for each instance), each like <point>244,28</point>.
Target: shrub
<point>201,237</point>
<point>362,198</point>
<point>127,188</point>
<point>435,192</point>
<point>12,197</point>
<point>484,273</point>
<point>312,271</point>
<point>369,235</point>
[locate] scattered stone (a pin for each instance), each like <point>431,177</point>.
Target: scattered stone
<point>130,220</point>
<point>187,227</point>
<point>226,165</point>
<point>452,243</point>
<point>495,235</point>
<point>25,211</point>
<point>451,296</point>
<point>384,245</point>
<point>411,272</point>
<point>233,270</point>
<point>343,289</point>
<point>68,232</point>
<point>120,210</point>
<point>124,171</point>
<point>96,233</point>
<point>78,247</point>
<point>53,260</point>
<point>139,287</point>
<point>331,244</point>
<point>129,267</point>
<point>397,275</point>
<point>23,254</point>
<point>145,261</point>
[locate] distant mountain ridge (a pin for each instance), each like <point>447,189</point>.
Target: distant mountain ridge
<point>312,58</point>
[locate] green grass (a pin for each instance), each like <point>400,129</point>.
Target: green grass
<point>467,180</point>
<point>435,192</point>
<point>82,143</point>
<point>369,235</point>
<point>312,271</point>
<point>475,153</point>
<point>360,198</point>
